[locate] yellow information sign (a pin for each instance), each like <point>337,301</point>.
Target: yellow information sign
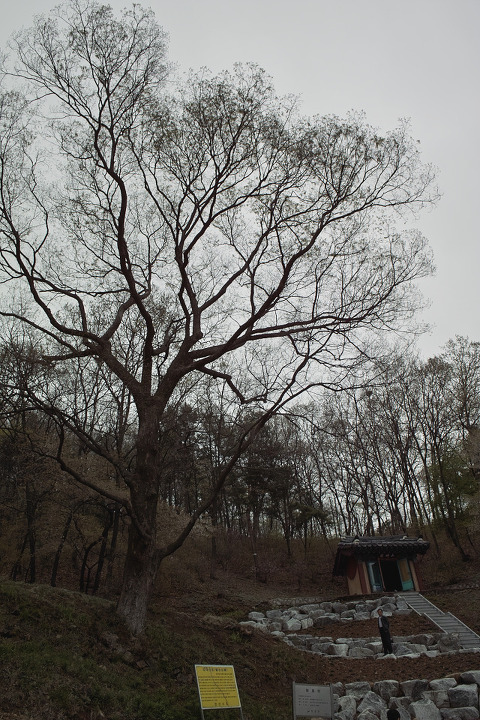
<point>217,686</point>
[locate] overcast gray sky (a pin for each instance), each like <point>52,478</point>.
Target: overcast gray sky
<point>418,59</point>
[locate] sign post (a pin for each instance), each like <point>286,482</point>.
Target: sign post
<point>312,701</point>
<point>217,687</point>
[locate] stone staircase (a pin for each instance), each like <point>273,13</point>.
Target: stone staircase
<point>447,622</point>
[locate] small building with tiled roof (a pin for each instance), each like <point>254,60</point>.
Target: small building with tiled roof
<point>380,564</point>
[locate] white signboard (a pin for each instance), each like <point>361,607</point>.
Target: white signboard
<point>312,701</point>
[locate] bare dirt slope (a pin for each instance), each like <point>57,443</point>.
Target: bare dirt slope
<point>227,598</point>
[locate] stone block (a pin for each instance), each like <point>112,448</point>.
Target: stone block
<point>326,606</point>
<point>357,689</point>
<point>375,647</point>
<point>338,650</point>
<point>338,689</point>
<point>439,697</point>
<point>325,620</point>
<point>360,652</point>
<point>424,710</point>
<point>367,715</point>
<point>463,696</point>
<point>414,688</point>
<point>448,642</point>
<point>273,614</point>
<point>372,703</point>
<point>444,684</point>
<point>274,626</point>
<point>387,689</point>
<point>347,705</point>
<point>317,613</point>
<point>309,608</point>
<point>470,676</point>
<point>291,625</point>
<point>466,713</point>
<point>321,648</point>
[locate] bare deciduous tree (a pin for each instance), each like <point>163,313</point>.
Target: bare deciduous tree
<point>163,231</point>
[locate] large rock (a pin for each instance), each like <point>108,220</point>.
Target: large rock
<point>338,650</point>
<point>321,648</point>
<point>401,703</point>
<point>425,639</point>
<point>347,705</point>
<point>463,696</point>
<point>309,608</point>
<point>317,613</point>
<point>439,697</point>
<point>253,625</point>
<point>372,703</point>
<point>403,712</point>
<point>358,689</point>
<point>387,689</point>
<point>327,606</point>
<point>298,640</point>
<point>367,715</point>
<point>448,643</point>
<point>375,647</point>
<point>291,625</point>
<point>326,620</point>
<point>470,676</point>
<point>465,713</point>
<point>342,716</point>
<point>407,648</point>
<point>414,688</point>
<point>360,652</point>
<point>416,648</point>
<point>273,614</point>
<point>274,626</point>
<point>443,683</point>
<point>424,710</point>
<point>389,608</point>
<point>338,689</point>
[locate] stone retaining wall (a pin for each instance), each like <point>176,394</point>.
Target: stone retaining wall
<point>320,614</point>
<point>285,624</point>
<point>443,699</point>
<point>430,645</point>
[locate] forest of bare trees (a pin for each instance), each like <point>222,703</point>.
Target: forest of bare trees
<point>399,456</point>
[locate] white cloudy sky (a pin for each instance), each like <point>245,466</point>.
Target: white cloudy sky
<point>417,59</point>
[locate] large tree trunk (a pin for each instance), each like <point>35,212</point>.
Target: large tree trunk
<point>142,560</point>
<point>139,573</point>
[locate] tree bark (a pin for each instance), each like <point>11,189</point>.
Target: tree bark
<point>140,570</point>
<point>143,559</point>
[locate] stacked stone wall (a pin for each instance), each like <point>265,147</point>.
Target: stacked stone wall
<point>443,699</point>
<point>291,623</point>
<point>449,698</point>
